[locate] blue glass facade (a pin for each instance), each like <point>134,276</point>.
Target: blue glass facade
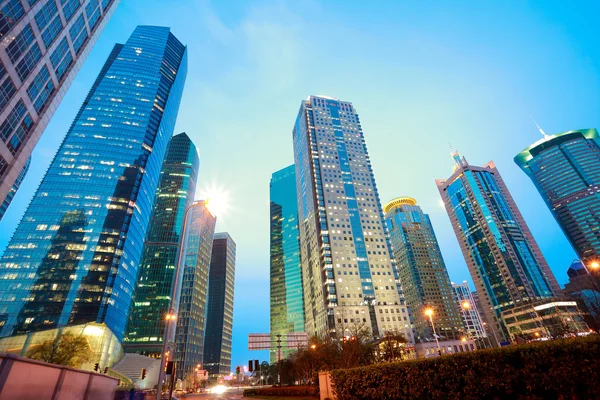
<point>74,257</point>
<point>193,293</point>
<point>287,303</point>
<point>175,194</point>
<point>565,169</point>
<point>504,260</point>
<point>422,270</point>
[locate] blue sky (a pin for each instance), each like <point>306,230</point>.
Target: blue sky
<point>421,75</point>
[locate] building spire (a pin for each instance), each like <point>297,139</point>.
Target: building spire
<point>460,161</point>
<point>539,129</point>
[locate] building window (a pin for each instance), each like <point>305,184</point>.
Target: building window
<point>20,44</point>
<point>41,89</point>
<point>61,58</point>
<point>92,11</point>
<point>45,15</point>
<point>7,91</point>
<point>69,8</point>
<point>11,13</point>
<point>18,121</point>
<point>29,61</point>
<point>78,33</point>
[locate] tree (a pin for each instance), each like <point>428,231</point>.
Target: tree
<point>391,347</point>
<point>66,349</point>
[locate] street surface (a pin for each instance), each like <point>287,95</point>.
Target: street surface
<point>229,395</point>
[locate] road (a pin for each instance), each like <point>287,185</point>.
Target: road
<point>229,395</point>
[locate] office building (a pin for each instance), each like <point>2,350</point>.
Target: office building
<point>44,44</point>
<point>192,302</point>
<point>565,169</point>
<point>468,308</point>
<point>350,281</point>
<point>175,194</point>
<point>504,260</point>
<point>219,319</point>
<point>74,258</point>
<point>287,303</point>
<point>422,270</point>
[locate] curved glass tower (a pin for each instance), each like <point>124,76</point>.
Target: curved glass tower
<point>565,169</point>
<point>175,194</point>
<point>74,257</point>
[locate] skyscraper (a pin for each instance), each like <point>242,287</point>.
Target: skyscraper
<point>74,257</point>
<point>565,169</point>
<point>287,303</point>
<point>423,274</point>
<point>175,194</point>
<point>219,320</point>
<point>44,44</point>
<point>350,281</point>
<point>469,311</point>
<point>193,296</point>
<point>504,260</point>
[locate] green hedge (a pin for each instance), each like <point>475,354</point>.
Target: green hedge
<point>561,369</point>
<point>283,391</point>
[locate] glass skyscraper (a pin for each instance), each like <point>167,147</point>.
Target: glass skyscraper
<point>193,295</point>
<point>74,257</point>
<point>44,44</point>
<point>565,169</point>
<point>175,194</point>
<point>504,260</point>
<point>350,281</point>
<point>219,320</point>
<point>287,303</point>
<point>423,274</point>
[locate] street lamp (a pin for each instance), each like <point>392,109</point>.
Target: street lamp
<point>429,313</point>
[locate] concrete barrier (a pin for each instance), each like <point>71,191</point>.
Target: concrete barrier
<point>325,390</point>
<point>25,379</point>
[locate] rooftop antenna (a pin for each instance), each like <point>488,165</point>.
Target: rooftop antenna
<point>539,129</point>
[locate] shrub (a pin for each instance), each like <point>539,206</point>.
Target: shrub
<point>283,391</point>
<point>561,369</point>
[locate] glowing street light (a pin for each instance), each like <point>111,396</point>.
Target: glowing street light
<point>313,346</point>
<point>466,305</point>
<point>429,313</point>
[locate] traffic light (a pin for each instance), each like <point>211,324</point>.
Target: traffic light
<point>106,370</point>
<point>143,373</point>
<point>97,367</point>
<point>250,366</point>
<point>256,366</point>
<point>237,370</point>
<point>169,368</point>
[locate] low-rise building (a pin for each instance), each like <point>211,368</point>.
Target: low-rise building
<point>544,320</point>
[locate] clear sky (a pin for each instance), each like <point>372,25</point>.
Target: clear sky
<point>421,75</point>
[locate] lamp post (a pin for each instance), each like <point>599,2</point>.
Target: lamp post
<point>171,317</point>
<point>429,313</point>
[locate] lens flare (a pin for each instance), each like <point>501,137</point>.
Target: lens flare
<point>217,200</point>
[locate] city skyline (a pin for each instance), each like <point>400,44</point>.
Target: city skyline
<point>506,137</point>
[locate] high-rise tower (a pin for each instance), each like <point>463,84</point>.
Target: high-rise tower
<point>193,295</point>
<point>74,257</point>
<point>423,274</point>
<point>44,44</point>
<point>175,194</point>
<point>565,169</point>
<point>219,316</point>
<point>350,281</point>
<point>504,260</point>
<point>287,303</point>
